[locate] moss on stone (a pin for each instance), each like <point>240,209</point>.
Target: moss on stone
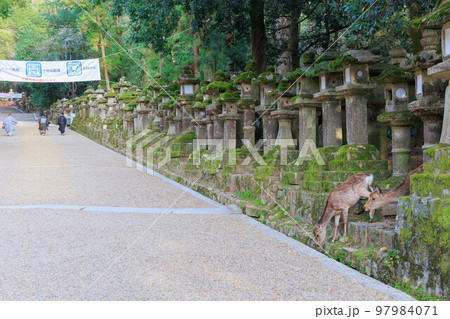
<point>344,57</point>
<point>393,74</point>
<point>436,16</point>
<point>358,152</point>
<point>110,94</point>
<point>268,78</point>
<point>184,138</point>
<point>294,75</point>
<point>245,77</point>
<point>317,68</point>
<point>220,86</point>
<point>399,117</point>
<point>229,96</point>
<point>433,185</point>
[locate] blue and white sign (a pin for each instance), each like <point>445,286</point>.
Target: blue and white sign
<point>50,71</point>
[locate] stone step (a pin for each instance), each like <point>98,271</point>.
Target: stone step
<point>291,178</point>
<point>340,176</point>
<point>375,235</point>
<point>431,185</point>
<point>319,186</point>
<point>359,165</point>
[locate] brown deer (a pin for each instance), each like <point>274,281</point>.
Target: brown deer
<point>379,198</point>
<point>338,203</point>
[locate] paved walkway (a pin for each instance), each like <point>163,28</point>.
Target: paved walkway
<point>77,224</point>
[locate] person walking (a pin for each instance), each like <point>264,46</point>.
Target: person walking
<point>62,122</point>
<point>43,124</point>
<point>9,124</point>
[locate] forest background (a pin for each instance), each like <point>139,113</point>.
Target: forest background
<point>138,39</point>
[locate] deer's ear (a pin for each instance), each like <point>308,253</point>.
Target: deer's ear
<point>314,223</point>
<point>371,189</point>
<point>379,191</point>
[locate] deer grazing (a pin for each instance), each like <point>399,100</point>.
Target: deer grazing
<point>338,203</point>
<point>379,198</point>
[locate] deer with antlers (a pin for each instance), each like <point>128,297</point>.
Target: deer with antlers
<point>379,198</point>
<point>338,203</point>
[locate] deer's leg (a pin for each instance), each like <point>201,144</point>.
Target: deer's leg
<point>336,225</point>
<point>344,218</point>
<point>371,214</point>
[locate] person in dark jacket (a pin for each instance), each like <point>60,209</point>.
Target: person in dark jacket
<point>43,124</point>
<point>62,122</point>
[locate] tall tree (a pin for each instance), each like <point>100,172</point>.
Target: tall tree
<point>258,34</point>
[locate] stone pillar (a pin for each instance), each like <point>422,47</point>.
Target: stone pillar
<point>129,122</point>
<point>102,110</point>
<point>332,123</point>
<point>401,142</point>
<point>229,130</point>
<point>171,130</point>
<point>307,125</point>
<point>270,127</point>
<point>356,119</point>
<point>249,126</point>
<point>284,136</point>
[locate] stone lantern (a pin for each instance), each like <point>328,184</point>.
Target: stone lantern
<point>399,91</point>
<point>142,110</point>
<point>99,93</point>
<point>442,71</point>
<point>429,105</point>
<point>101,106</point>
<point>355,89</point>
<point>329,79</point>
<point>199,120</point>
<point>248,101</point>
<point>284,114</point>
<point>214,109</point>
<point>111,103</point>
<point>123,85</point>
<point>307,107</point>
<point>230,116</point>
<point>188,85</point>
<point>268,82</point>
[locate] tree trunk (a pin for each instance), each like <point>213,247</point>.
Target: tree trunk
<point>196,56</point>
<point>258,34</point>
<point>105,65</point>
<point>293,41</point>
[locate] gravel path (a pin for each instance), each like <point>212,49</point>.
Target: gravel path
<point>68,254</point>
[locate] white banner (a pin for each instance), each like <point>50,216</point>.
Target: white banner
<point>50,71</point>
<point>10,95</point>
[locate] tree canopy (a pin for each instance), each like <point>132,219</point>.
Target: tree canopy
<point>139,38</point>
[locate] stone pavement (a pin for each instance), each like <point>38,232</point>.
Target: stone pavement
<point>77,224</point>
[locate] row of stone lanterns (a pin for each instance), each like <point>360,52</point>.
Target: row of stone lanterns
<point>218,111</point>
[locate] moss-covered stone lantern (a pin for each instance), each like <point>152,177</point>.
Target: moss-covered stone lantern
<point>230,116</point>
<point>213,109</point>
<point>307,107</point>
<point>399,91</point>
<point>356,89</point>
<point>268,82</point>
<point>188,85</point>
<point>429,103</point>
<point>248,101</point>
<point>442,70</point>
<point>329,79</point>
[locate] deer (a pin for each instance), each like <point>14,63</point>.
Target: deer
<point>338,203</point>
<point>379,198</point>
